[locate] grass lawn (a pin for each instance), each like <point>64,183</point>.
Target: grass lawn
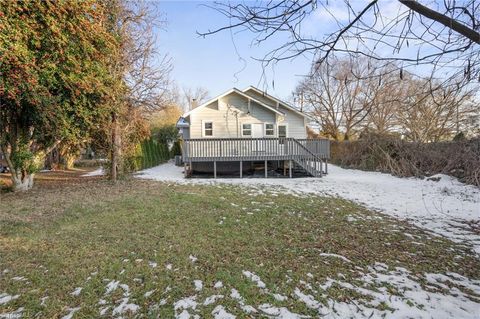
<point>156,250</point>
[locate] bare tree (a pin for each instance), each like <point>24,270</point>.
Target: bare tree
<point>142,73</point>
<point>194,97</point>
<point>431,111</point>
<point>441,34</point>
<point>323,104</point>
<point>339,96</point>
<point>388,92</point>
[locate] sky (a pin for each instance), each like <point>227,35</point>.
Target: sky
<point>220,61</point>
<point>224,60</point>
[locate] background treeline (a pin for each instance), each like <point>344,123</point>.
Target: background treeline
<point>348,97</point>
<point>384,119</point>
<point>386,153</point>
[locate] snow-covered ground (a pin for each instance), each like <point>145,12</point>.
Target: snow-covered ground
<point>97,172</point>
<point>445,207</point>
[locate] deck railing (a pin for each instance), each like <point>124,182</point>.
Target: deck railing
<point>319,147</point>
<point>253,149</point>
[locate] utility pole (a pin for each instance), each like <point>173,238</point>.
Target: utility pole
<point>300,97</point>
<point>301,101</point>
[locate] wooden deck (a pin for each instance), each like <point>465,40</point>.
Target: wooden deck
<point>311,154</point>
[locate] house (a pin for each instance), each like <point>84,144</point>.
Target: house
<point>242,131</point>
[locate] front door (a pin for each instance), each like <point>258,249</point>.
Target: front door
<point>257,130</point>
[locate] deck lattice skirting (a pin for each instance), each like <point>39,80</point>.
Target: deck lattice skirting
<point>311,154</point>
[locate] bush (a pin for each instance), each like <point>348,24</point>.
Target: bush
<point>165,134</point>
<point>152,153</point>
<point>176,149</point>
<point>459,158</point>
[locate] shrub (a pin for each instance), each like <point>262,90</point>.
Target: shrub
<point>152,153</point>
<point>176,149</point>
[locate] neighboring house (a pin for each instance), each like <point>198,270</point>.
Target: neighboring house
<point>239,130</point>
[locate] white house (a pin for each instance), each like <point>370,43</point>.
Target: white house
<point>240,129</point>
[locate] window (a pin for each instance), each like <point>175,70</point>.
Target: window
<point>282,131</point>
<point>269,130</point>
<point>246,129</point>
<point>207,129</point>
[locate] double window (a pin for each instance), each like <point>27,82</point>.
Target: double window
<point>269,129</point>
<point>207,128</point>
<point>246,129</point>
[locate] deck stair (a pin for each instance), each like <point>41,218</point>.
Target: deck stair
<point>305,158</point>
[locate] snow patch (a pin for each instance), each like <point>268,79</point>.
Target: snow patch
<point>17,314</point>
<point>4,298</point>
<point>71,312</point>
<point>279,313</point>
<point>184,304</point>
<point>198,285</point>
<point>336,256</point>
<point>97,172</point>
<point>219,312</point>
<point>77,291</point>
<point>212,299</point>
<point>254,278</point>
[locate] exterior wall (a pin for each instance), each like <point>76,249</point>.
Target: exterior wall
<point>222,114</point>
<point>185,132</point>
<point>227,125</point>
<point>296,125</point>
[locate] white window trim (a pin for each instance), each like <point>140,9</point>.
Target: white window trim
<point>286,129</point>
<point>203,128</point>
<point>265,129</point>
<point>251,129</point>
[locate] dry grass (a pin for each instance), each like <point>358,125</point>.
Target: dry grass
<point>86,232</point>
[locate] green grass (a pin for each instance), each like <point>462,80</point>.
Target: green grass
<point>87,236</point>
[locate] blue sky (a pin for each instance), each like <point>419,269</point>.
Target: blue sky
<point>213,62</point>
<point>224,60</point>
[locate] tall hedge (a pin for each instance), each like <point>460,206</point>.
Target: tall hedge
<point>152,153</point>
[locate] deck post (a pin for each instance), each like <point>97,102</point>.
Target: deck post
<point>185,169</point>
<point>321,172</point>
<point>326,166</point>
<point>241,169</point>
<point>290,168</point>
<point>214,169</point>
<point>266,169</point>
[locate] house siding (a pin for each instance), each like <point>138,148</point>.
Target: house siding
<point>222,114</point>
<point>226,125</point>
<point>296,124</point>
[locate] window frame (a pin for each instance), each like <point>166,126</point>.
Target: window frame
<point>250,129</point>
<point>265,130</point>
<point>286,130</point>
<point>204,129</point>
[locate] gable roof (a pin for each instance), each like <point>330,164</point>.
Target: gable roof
<point>284,104</point>
<point>233,90</point>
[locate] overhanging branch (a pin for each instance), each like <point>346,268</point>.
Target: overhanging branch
<point>443,19</point>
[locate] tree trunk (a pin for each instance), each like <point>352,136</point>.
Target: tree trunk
<point>116,148</point>
<point>69,161</point>
<point>22,181</point>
